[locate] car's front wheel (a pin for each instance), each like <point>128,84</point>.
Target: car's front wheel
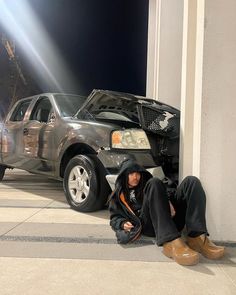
<point>81,184</point>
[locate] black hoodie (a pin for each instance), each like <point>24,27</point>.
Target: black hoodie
<point>120,211</point>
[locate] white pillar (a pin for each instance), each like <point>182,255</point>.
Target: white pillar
<point>165,51</point>
<point>153,48</point>
<point>208,104</point>
<point>191,88</point>
<point>218,135</point>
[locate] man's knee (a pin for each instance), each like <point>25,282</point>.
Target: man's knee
<point>191,180</point>
<point>154,187</point>
<point>194,184</point>
<point>154,181</point>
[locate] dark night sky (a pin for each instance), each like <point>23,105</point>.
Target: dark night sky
<point>103,42</point>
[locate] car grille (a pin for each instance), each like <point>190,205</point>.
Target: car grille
<point>161,122</point>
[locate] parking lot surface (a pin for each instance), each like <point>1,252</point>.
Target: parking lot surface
<point>47,248</point>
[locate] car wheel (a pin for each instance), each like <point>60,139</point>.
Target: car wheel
<point>2,172</point>
<point>81,184</point>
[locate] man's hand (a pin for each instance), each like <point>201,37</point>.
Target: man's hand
<point>172,210</point>
<point>127,226</point>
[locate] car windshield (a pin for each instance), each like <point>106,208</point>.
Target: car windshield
<point>69,104</point>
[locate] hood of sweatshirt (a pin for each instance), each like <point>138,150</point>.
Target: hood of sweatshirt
<point>130,166</point>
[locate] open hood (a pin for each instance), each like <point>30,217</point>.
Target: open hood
<point>151,115</point>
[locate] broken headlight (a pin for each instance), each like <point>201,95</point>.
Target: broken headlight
<point>129,139</point>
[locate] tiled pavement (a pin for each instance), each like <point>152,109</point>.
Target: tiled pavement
<point>47,248</point>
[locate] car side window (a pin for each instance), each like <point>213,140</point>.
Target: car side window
<point>20,110</point>
<point>41,110</point>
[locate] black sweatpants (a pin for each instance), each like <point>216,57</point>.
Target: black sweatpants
<point>189,203</point>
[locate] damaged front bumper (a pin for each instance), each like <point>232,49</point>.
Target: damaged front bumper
<point>155,171</point>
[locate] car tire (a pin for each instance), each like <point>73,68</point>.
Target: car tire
<point>81,184</point>
<point>2,172</point>
<point>104,187</point>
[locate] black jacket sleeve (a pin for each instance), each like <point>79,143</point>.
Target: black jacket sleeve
<point>117,215</point>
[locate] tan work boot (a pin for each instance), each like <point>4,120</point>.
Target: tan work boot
<point>180,252</point>
<point>204,246</point>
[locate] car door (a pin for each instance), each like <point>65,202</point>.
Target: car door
<point>38,138</point>
<point>12,134</point>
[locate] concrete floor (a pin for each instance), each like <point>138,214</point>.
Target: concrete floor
<point>47,248</point>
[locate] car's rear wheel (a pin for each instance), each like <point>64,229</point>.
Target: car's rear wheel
<point>81,184</point>
<point>2,171</point>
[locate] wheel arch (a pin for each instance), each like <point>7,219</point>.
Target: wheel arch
<point>71,152</point>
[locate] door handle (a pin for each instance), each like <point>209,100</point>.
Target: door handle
<point>25,131</point>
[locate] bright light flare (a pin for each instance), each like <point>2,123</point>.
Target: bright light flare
<point>23,25</point>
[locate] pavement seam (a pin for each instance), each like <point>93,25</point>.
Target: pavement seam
<point>20,223</point>
<point>82,240</point>
<point>24,206</point>
<point>227,275</point>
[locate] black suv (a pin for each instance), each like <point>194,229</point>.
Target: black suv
<point>83,140</point>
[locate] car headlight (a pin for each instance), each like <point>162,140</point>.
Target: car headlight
<point>129,139</point>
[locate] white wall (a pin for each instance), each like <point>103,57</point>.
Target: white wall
<point>218,133</point>
<point>171,28</point>
<point>165,50</point>
<point>208,91</point>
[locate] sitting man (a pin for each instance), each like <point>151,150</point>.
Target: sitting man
<point>140,204</point>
